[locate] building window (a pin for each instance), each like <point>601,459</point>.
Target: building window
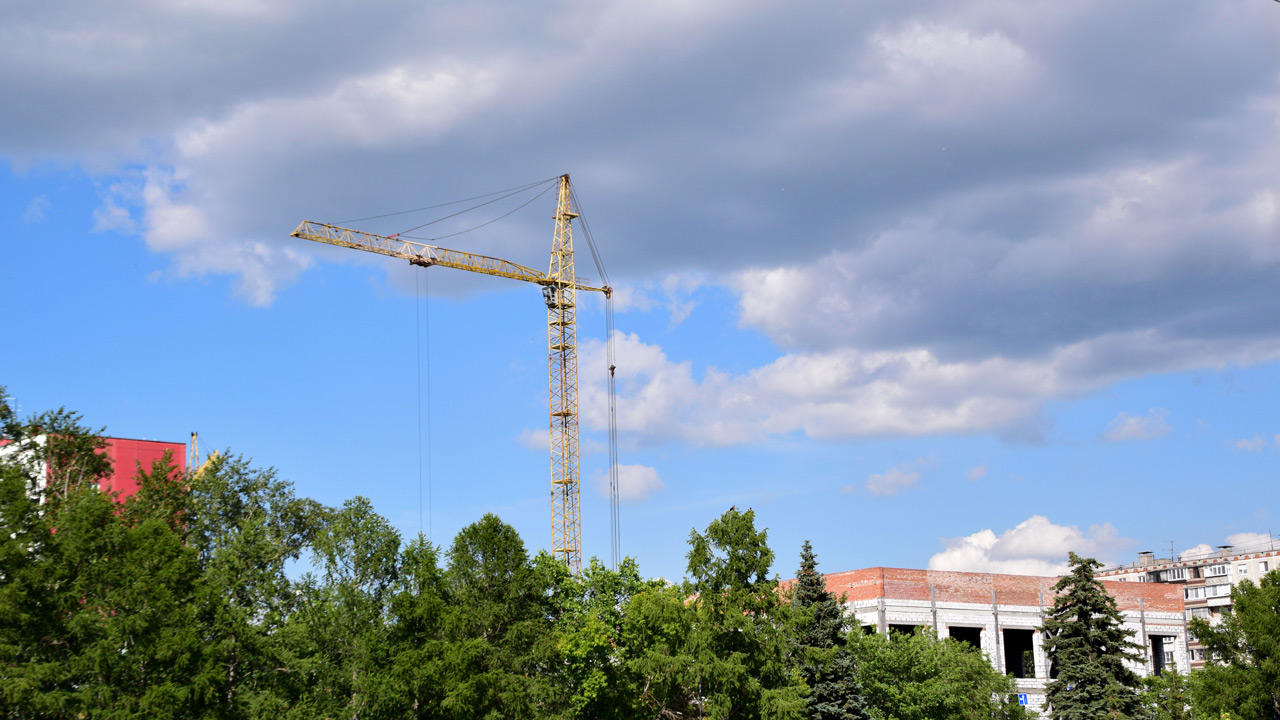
<point>1200,612</point>
<point>1262,567</point>
<point>1242,569</point>
<point>1019,659</point>
<point>970,635</point>
<point>1204,591</point>
<point>1215,571</point>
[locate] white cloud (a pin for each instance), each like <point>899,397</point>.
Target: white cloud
<point>976,473</point>
<point>1035,547</point>
<point>110,217</point>
<point>846,393</point>
<point>1133,427</point>
<point>635,483</point>
<point>674,293</point>
<point>1239,542</point>
<point>185,231</point>
<point>1202,550</point>
<point>1247,541</point>
<point>892,481</point>
<point>36,209</point>
<point>1253,444</point>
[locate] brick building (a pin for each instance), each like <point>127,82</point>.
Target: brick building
<point>1002,614</point>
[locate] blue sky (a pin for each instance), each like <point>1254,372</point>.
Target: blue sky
<point>963,285</point>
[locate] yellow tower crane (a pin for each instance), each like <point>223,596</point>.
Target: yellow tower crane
<point>560,286</point>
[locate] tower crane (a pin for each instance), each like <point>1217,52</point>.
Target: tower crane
<point>560,286</point>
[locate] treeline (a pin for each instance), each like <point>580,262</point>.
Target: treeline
<point>178,602</point>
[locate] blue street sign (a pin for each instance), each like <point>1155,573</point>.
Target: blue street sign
<point>1022,698</point>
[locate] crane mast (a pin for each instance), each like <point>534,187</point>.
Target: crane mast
<point>560,286</point>
<point>562,381</point>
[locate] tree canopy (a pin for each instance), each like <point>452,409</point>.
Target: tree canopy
<point>1242,676</point>
<point>226,595</point>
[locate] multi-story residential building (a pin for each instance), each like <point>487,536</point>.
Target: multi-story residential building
<point>1002,615</point>
<point>1204,576</point>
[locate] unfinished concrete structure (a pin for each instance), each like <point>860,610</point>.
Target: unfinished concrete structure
<point>1002,614</point>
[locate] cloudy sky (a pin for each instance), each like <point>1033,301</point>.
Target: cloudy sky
<point>954,284</point>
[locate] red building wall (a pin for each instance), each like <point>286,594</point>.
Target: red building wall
<point>126,455</point>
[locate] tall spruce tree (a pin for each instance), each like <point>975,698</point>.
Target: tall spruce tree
<point>828,666</point>
<point>1087,647</point>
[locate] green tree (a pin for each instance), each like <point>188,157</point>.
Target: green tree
<point>1242,674</point>
<point>722,646</point>
<point>97,610</point>
<point>1165,697</point>
<point>919,677</point>
<point>414,686</point>
<point>338,632</point>
<point>1087,646</point>
<point>827,664</point>
<point>498,625</point>
<point>53,450</point>
<point>662,658</point>
<point>247,526</point>
<point>591,636</point>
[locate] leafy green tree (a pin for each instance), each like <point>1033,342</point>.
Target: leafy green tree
<point>662,656</point>
<point>725,649</point>
<point>247,526</point>
<point>339,631</point>
<point>591,636</point>
<point>54,450</point>
<point>1087,646</point>
<point>498,625</point>
<point>97,612</point>
<point>919,677</point>
<point>1242,675</point>
<point>414,685</point>
<point>1165,697</point>
<point>827,664</point>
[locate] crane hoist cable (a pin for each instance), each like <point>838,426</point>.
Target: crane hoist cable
<point>615,516</point>
<point>560,285</point>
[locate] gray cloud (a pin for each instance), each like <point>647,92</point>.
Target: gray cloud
<point>1084,191</point>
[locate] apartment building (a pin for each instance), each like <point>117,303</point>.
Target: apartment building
<point>1204,577</point>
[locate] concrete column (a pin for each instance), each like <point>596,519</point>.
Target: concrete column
<point>998,660</point>
<point>933,608</point>
<point>1146,646</point>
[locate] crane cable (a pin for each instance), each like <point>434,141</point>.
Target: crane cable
<point>512,191</point>
<point>417,306</point>
<point>475,227</point>
<point>474,207</point>
<point>615,513</point>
